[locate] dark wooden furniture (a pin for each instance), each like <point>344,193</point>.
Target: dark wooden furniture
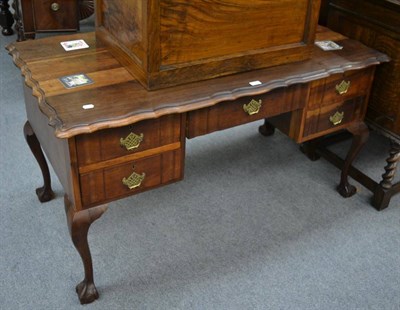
<point>6,18</point>
<point>163,42</point>
<point>376,23</point>
<point>35,16</point>
<point>132,139</point>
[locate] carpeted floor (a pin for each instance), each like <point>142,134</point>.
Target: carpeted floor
<point>254,225</point>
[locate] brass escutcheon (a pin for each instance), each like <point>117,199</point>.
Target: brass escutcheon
<point>134,180</point>
<point>132,141</point>
<point>253,107</point>
<point>55,7</point>
<point>343,87</point>
<point>337,118</point>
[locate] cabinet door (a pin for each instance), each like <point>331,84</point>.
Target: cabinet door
<point>55,15</point>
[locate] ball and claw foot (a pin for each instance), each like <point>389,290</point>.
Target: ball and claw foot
<point>44,194</point>
<point>87,292</point>
<point>346,190</point>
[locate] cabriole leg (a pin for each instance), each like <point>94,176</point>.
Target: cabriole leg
<point>79,223</point>
<point>360,134</point>
<point>44,193</point>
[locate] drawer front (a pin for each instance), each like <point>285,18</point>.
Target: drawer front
<point>244,110</point>
<point>130,178</point>
<point>340,87</point>
<point>331,118</point>
<point>55,15</point>
<point>116,142</point>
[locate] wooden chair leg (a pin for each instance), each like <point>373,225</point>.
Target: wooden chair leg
<point>79,223</point>
<point>44,193</point>
<point>386,189</point>
<point>360,134</point>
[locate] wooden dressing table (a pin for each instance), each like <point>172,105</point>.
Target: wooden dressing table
<point>133,140</point>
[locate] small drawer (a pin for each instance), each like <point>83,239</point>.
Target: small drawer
<point>330,118</point>
<point>340,87</point>
<point>228,114</point>
<point>130,178</point>
<point>116,142</point>
<point>55,15</point>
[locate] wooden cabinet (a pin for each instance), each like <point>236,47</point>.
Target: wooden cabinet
<point>376,24</point>
<point>164,42</point>
<point>34,16</point>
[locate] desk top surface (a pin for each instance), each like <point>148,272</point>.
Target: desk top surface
<point>119,99</point>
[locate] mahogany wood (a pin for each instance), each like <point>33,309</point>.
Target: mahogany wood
<point>83,144</point>
<point>360,134</point>
<point>79,224</point>
<point>163,42</point>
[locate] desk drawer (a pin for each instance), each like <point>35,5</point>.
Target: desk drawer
<point>246,109</point>
<point>130,178</point>
<point>331,118</point>
<point>55,15</point>
<point>340,87</point>
<point>112,143</point>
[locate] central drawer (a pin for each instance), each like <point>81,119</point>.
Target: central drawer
<point>232,113</point>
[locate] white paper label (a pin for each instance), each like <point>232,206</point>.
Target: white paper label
<point>88,106</point>
<point>74,45</point>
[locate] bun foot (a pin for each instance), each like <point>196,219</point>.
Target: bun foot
<point>267,129</point>
<point>44,194</point>
<point>87,292</point>
<point>346,190</point>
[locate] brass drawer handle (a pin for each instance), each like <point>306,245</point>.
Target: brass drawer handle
<point>134,180</point>
<point>132,141</point>
<point>55,6</point>
<point>253,107</point>
<point>343,87</point>
<point>337,118</point>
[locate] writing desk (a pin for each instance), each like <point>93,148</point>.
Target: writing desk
<point>132,140</point>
